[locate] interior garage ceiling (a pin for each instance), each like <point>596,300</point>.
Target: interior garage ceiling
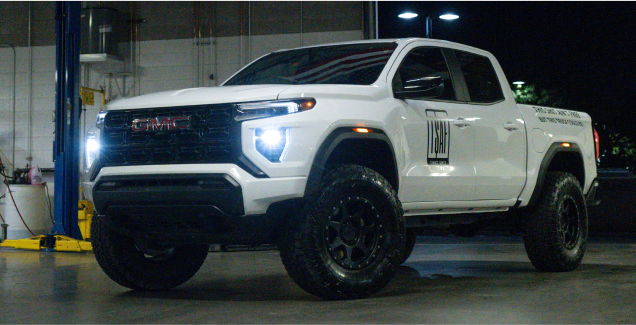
<point>177,20</point>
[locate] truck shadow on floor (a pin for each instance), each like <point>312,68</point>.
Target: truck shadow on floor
<point>413,278</point>
<point>450,277</point>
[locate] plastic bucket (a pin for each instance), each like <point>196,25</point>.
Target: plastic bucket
<point>31,202</point>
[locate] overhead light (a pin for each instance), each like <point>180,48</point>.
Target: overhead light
<point>449,17</point>
<point>407,15</point>
<point>518,83</point>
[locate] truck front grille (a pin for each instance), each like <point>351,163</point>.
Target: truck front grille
<point>208,135</point>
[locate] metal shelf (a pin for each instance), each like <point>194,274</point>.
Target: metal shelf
<point>103,62</point>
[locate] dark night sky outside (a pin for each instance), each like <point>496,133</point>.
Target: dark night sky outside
<point>584,49</point>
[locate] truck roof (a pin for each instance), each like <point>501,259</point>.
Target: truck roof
<point>399,41</point>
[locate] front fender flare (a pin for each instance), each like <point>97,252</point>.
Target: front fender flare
<point>331,142</point>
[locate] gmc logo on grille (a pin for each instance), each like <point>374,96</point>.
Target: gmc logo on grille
<point>161,124</point>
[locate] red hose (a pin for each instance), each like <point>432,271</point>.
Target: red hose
<point>49,200</point>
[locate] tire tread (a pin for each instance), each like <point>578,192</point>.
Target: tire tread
<point>303,262</point>
<point>119,259</point>
<point>541,239</point>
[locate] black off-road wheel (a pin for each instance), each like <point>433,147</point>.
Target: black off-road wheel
<point>141,266</point>
<point>347,241</point>
<point>411,237</point>
<point>555,233</point>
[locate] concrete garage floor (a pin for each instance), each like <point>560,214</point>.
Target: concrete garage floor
<point>446,280</point>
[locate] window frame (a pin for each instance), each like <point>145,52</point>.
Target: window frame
<point>460,75</point>
<point>453,78</point>
<point>457,77</point>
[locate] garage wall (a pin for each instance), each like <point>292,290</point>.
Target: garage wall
<point>34,89</point>
<point>178,45</point>
<point>188,19</point>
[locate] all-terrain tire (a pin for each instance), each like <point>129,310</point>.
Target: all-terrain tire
<point>347,241</point>
<point>555,232</point>
<point>122,260</point>
<point>411,237</point>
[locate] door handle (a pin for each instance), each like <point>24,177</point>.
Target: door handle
<point>461,122</point>
<point>510,126</point>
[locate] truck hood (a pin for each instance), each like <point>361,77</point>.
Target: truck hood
<point>200,96</point>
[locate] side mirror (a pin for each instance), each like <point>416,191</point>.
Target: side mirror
<point>427,87</point>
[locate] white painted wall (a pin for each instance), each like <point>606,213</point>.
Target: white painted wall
<point>162,65</point>
<point>39,85</point>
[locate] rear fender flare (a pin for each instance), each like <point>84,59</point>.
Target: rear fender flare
<point>552,151</point>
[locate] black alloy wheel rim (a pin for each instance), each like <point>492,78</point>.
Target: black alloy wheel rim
<point>354,233</point>
<point>569,223</point>
<point>156,254</point>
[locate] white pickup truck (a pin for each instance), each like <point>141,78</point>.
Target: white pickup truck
<point>335,153</point>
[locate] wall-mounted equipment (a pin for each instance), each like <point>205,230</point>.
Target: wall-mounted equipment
<point>99,34</point>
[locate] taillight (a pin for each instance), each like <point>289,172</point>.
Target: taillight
<point>596,144</point>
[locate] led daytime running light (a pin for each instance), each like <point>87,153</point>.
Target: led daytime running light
<point>250,111</point>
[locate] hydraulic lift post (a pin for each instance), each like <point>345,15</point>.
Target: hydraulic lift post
<point>66,235</point>
<point>67,118</point>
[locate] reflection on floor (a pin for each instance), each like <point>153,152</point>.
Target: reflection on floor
<point>446,280</point>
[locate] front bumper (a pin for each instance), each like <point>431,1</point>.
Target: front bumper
<point>215,203</point>
<point>226,186</point>
<point>139,194</point>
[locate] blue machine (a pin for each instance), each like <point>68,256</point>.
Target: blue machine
<point>67,118</point>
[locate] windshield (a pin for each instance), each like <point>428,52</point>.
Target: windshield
<point>351,64</point>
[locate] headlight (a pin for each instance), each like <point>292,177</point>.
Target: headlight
<point>250,111</point>
<point>273,144</point>
<point>92,149</point>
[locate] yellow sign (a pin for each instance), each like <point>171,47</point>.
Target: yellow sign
<point>88,97</point>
